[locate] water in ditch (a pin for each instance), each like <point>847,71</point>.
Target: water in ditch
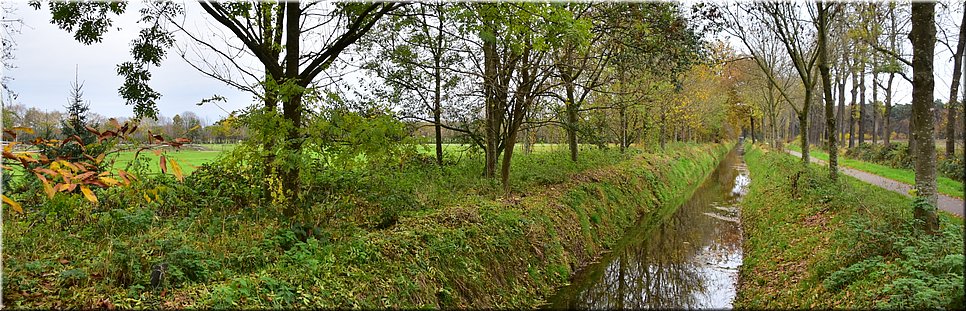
<point>688,260</point>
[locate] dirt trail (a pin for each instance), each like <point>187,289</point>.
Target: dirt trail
<point>947,203</point>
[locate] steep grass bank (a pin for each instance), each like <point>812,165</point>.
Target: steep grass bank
<point>468,248</point>
<point>811,242</point>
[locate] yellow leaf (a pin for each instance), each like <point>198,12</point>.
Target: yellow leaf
<point>67,165</point>
<point>147,198</point>
<point>48,189</point>
<point>14,205</point>
<point>176,170</point>
<point>24,129</point>
<point>55,166</point>
<point>110,182</point>
<point>88,194</point>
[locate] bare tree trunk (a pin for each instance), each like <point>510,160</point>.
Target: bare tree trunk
<point>855,90</point>
<point>572,130</point>
<point>823,67</point>
<point>803,125</point>
<point>437,95</point>
<point>888,112</point>
<point>774,132</point>
<point>862,106</point>
<point>492,131</point>
<point>505,165</point>
<point>875,99</point>
<point>752,118</point>
<point>623,124</point>
<point>923,38</point>
<point>841,118</point>
<point>954,91</point>
<point>292,108</point>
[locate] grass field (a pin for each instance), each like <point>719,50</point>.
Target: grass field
<point>190,159</point>
<point>944,185</point>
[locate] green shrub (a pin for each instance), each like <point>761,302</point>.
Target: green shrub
<point>951,168</point>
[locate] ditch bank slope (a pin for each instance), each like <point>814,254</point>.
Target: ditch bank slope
<point>509,253</point>
<point>817,243</point>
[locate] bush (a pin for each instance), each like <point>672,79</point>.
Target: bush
<point>951,168</point>
<point>224,186</point>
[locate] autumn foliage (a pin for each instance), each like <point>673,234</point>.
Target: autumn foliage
<point>89,170</point>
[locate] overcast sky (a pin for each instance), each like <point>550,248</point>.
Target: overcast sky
<point>45,60</point>
<point>46,57</point>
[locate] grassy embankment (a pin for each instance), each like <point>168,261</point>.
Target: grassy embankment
<point>457,241</point>
<point>816,243</point>
<point>944,185</point>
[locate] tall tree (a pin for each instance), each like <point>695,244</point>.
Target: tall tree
<point>579,67</point>
<point>862,103</point>
<point>287,77</point>
<point>418,58</point>
<point>797,38</point>
<point>825,14</point>
<point>923,39</point>
<point>516,40</point>
<point>954,90</point>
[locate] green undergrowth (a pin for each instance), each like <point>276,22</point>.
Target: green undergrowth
<point>811,242</point>
<point>415,237</point>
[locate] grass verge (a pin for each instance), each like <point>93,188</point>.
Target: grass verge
<point>812,242</point>
<point>943,184</point>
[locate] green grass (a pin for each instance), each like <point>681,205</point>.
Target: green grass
<point>454,241</point>
<point>816,243</point>
<point>944,185</point>
<point>460,149</point>
<point>189,160</point>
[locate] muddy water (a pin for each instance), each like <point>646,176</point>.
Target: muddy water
<point>688,260</point>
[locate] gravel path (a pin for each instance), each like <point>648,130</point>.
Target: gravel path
<point>947,203</point>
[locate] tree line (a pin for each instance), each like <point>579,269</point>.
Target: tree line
<point>810,57</point>
<point>493,75</point>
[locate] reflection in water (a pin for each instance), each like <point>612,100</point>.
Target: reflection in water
<point>689,260</point>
